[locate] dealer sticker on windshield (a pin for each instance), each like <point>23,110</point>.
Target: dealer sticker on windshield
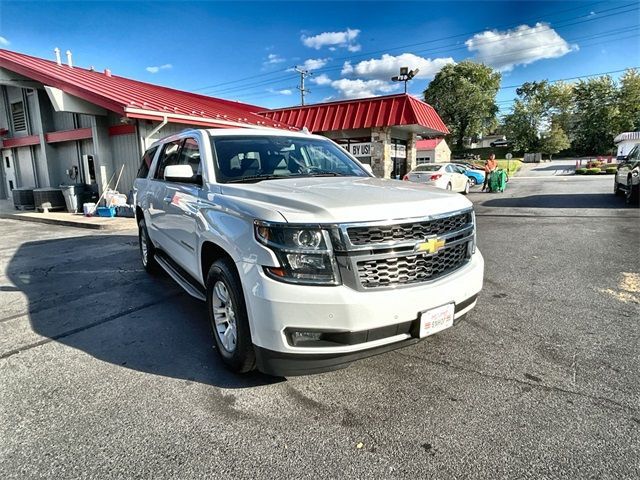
<point>437,319</point>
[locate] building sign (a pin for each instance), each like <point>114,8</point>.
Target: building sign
<point>398,151</point>
<point>359,149</point>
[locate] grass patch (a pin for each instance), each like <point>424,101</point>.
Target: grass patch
<point>513,164</point>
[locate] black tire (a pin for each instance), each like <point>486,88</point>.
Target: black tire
<point>632,194</point>
<point>616,187</point>
<point>466,188</point>
<point>472,181</point>
<point>241,358</point>
<point>149,259</point>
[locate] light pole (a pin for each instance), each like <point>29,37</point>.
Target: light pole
<point>405,76</point>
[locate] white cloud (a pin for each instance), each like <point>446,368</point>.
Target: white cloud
<point>166,66</point>
<point>312,64</point>
<point>344,39</point>
<point>284,91</point>
<point>321,79</point>
<point>520,46</point>
<point>4,42</point>
<point>385,67</point>
<point>357,88</point>
<point>273,59</point>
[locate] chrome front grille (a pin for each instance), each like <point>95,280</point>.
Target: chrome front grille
<point>376,234</point>
<point>381,255</point>
<point>405,270</point>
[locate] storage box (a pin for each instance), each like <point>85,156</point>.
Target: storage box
<point>106,211</point>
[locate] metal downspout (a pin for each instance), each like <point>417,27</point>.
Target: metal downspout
<point>154,131</point>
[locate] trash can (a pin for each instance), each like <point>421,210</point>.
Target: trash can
<point>71,196</point>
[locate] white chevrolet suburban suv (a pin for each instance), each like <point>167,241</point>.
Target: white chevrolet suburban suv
<point>306,261</point>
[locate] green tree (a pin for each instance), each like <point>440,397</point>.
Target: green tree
<point>629,101</point>
<point>596,115</point>
<point>464,95</point>
<point>554,140</point>
<point>539,106</point>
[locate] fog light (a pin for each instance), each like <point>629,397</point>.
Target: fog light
<point>300,338</point>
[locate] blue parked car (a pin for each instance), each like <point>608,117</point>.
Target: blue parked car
<point>476,177</point>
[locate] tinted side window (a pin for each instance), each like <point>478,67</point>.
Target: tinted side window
<point>168,156</point>
<point>147,160</point>
<point>190,155</point>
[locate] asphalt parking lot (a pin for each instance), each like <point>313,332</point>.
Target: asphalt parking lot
<point>106,372</point>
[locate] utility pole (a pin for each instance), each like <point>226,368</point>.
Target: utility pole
<point>303,74</point>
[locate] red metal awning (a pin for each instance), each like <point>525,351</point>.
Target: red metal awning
<point>135,99</point>
<point>393,110</point>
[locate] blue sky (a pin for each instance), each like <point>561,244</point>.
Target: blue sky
<point>243,50</point>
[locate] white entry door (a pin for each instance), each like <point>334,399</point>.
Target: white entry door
<point>9,168</point>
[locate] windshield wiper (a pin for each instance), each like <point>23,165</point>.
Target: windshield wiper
<point>321,173</point>
<point>255,178</point>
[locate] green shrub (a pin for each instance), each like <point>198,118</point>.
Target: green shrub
<point>611,170</point>
<point>593,171</point>
<point>581,171</point>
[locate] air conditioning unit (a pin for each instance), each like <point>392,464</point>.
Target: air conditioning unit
<point>49,199</point>
<point>23,198</point>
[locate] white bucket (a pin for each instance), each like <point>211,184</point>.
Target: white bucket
<point>88,209</point>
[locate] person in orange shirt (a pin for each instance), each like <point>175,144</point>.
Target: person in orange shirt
<point>489,167</point>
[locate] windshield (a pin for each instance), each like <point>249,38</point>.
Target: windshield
<point>257,158</point>
<point>427,168</point>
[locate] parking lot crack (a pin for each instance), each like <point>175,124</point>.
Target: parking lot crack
<point>595,398</point>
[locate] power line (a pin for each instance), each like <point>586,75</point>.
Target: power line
<point>373,52</point>
<point>452,47</point>
<point>586,37</point>
<point>237,89</point>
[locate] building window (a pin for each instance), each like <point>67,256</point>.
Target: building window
<point>423,160</point>
<point>18,117</point>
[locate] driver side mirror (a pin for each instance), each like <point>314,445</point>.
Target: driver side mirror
<point>181,174</point>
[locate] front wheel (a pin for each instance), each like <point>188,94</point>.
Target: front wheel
<point>632,194</point>
<point>448,187</point>
<point>616,187</point>
<point>466,188</point>
<point>472,181</point>
<point>228,317</point>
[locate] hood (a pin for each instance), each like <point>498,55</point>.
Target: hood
<point>348,199</point>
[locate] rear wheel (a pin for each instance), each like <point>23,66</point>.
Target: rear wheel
<point>228,317</point>
<point>147,250</point>
<point>472,181</point>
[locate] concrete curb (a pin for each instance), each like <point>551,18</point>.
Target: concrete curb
<point>67,223</point>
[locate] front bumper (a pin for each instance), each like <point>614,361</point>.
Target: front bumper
<point>273,307</point>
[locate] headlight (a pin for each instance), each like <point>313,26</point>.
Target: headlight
<point>304,252</point>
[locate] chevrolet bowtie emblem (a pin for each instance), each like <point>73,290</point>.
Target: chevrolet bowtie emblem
<point>432,245</point>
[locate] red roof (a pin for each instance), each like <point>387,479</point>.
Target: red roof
<point>135,99</point>
<point>429,144</point>
<point>386,111</point>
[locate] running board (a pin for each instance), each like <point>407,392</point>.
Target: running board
<point>181,279</point>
